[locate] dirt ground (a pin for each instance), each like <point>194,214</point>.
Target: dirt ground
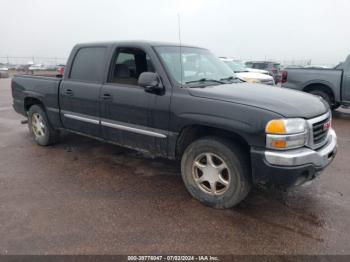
<point>86,197</point>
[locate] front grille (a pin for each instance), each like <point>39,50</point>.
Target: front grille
<point>319,132</point>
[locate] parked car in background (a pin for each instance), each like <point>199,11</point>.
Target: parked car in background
<point>243,73</point>
<point>60,70</point>
<point>38,67</point>
<point>242,64</point>
<point>4,72</point>
<point>272,67</point>
<point>333,85</point>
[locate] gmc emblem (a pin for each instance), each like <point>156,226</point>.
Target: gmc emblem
<point>326,126</point>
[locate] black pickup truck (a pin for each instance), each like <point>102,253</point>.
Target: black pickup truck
<point>183,103</point>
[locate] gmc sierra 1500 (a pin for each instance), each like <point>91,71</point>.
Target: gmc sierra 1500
<point>183,103</point>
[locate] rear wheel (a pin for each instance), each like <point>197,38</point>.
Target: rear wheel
<point>40,128</point>
<point>216,172</point>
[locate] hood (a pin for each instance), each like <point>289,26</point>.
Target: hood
<point>285,102</point>
<point>253,75</point>
<point>261,71</point>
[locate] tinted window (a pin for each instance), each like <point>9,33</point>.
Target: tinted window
<point>129,63</point>
<point>88,64</point>
<point>260,66</point>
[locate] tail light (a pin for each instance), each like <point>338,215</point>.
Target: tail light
<point>284,76</point>
<point>61,70</point>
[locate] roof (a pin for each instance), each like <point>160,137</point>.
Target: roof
<point>260,62</point>
<point>137,42</point>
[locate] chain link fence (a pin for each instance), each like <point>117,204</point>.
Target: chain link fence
<point>12,61</point>
<point>10,65</point>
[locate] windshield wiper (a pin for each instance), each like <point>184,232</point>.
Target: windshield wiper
<point>229,78</point>
<point>204,80</point>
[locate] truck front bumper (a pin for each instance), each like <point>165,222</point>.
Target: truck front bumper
<point>292,167</point>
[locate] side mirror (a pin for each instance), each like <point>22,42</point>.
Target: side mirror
<point>151,82</point>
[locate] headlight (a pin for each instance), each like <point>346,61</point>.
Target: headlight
<point>286,133</point>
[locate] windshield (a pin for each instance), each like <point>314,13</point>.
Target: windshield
<point>236,67</point>
<point>197,65</point>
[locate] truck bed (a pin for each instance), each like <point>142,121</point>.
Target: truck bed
<point>304,75</point>
<point>300,78</point>
<point>43,88</point>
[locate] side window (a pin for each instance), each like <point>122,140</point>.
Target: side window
<point>88,64</point>
<point>128,64</point>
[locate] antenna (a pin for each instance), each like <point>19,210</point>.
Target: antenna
<point>179,29</point>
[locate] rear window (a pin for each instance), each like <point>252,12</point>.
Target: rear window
<point>88,64</point>
<point>259,66</point>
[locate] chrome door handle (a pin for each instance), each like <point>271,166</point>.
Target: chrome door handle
<point>107,97</point>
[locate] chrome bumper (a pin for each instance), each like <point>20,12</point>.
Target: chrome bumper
<point>320,158</point>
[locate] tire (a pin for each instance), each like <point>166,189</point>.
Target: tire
<point>195,169</point>
<point>325,96</point>
<point>335,106</point>
<point>39,127</point>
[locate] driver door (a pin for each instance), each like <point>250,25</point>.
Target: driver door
<point>127,116</point>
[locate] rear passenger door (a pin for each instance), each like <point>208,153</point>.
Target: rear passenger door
<point>80,90</point>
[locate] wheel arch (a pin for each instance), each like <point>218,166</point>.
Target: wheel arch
<point>325,87</point>
<point>30,101</point>
<point>193,132</point>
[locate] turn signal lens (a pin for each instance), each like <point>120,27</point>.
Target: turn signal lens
<point>276,127</point>
<point>279,144</point>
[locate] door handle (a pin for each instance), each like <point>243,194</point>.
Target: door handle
<point>106,97</point>
<point>69,92</point>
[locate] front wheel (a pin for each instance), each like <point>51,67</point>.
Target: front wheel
<point>216,172</point>
<point>40,128</point>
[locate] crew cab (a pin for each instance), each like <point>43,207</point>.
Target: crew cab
<point>333,85</point>
<point>228,134</point>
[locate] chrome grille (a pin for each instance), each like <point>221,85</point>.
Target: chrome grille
<point>319,132</point>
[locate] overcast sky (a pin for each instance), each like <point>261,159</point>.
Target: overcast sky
<point>245,29</point>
